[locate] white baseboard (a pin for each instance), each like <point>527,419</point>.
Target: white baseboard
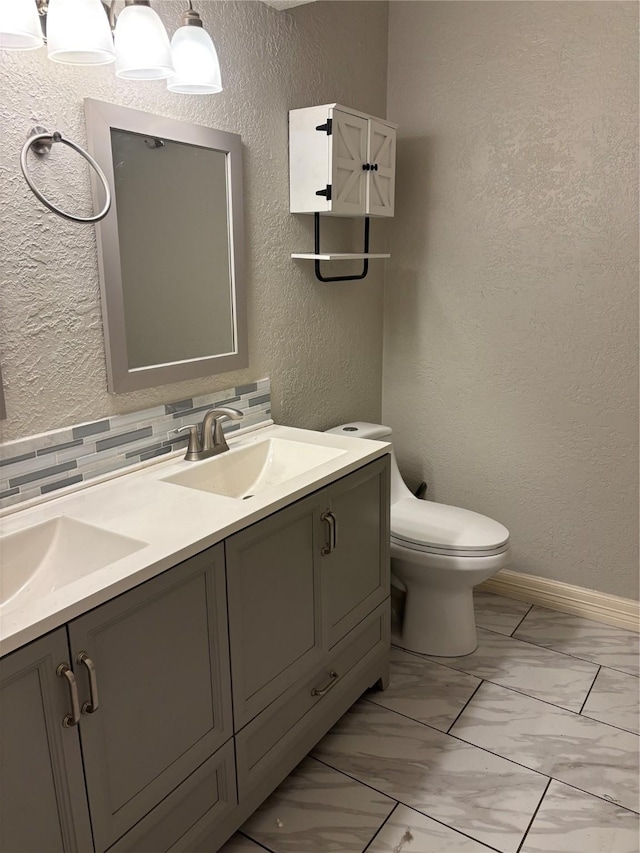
<point>599,606</point>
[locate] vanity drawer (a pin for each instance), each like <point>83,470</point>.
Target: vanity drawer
<point>293,724</point>
<point>202,800</point>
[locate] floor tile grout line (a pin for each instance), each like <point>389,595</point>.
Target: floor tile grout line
<point>496,754</point>
<point>553,705</point>
<point>533,816</point>
<point>509,636</point>
<point>539,646</point>
<point>589,692</point>
<point>240,832</point>
<point>611,725</point>
<point>484,749</point>
<point>337,770</point>
<point>578,616</point>
<point>413,808</point>
<point>571,655</point>
<point>577,788</point>
<point>527,642</point>
<point>458,831</point>
<point>448,734</point>
<point>597,796</point>
<point>530,608</point>
<point>496,683</point>
<point>452,724</point>
<point>379,829</point>
<point>519,692</point>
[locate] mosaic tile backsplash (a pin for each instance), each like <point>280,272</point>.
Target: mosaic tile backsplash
<point>34,466</point>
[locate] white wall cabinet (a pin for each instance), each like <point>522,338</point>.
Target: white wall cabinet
<point>161,765</point>
<point>341,162</point>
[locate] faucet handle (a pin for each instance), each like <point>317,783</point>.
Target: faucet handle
<point>194,448</point>
<point>212,435</point>
<point>226,412</point>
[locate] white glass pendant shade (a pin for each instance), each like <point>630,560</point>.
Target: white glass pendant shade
<point>196,63</point>
<point>19,25</point>
<point>78,33</point>
<point>143,51</point>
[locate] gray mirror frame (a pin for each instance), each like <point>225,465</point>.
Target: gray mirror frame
<point>3,407</point>
<point>100,118</point>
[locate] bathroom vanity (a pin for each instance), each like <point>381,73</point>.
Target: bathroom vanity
<point>159,709</point>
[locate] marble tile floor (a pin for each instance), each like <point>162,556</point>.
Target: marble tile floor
<point>528,745</point>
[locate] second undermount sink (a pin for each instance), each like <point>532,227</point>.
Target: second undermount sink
<point>38,560</point>
<point>246,471</point>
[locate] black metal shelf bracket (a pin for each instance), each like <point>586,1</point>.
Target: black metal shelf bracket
<point>365,267</point>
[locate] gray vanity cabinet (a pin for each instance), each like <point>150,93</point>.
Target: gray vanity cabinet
<point>43,805</point>
<point>344,648</point>
<point>355,572</point>
<point>274,592</point>
<point>300,580</point>
<point>161,659</point>
<point>289,617</point>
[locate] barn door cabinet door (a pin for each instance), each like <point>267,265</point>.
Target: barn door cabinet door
<point>355,555</point>
<point>43,805</point>
<point>160,654</point>
<point>341,162</point>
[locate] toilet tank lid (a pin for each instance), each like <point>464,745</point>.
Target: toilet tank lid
<point>361,429</point>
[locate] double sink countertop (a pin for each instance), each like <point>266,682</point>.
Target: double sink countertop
<point>52,555</point>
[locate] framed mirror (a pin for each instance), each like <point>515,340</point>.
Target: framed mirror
<point>170,250</point>
<point>3,408</point>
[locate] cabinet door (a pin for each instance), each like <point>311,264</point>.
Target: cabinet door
<point>348,154</point>
<point>161,658</point>
<point>356,574</point>
<point>43,805</point>
<point>381,181</point>
<point>274,597</point>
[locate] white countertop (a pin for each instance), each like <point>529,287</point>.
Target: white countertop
<point>176,522</point>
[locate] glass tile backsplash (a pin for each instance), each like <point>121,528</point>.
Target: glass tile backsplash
<point>40,464</point>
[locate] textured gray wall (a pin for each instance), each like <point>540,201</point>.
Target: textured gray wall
<point>321,344</point>
<point>511,367</point>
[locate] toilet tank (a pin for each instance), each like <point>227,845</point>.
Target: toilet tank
<point>361,429</point>
<point>377,432</point>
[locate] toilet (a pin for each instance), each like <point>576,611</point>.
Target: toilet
<point>438,554</point>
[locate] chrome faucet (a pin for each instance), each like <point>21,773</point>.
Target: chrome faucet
<point>212,441</point>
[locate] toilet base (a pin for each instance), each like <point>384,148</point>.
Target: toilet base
<point>439,623</point>
<point>438,615</point>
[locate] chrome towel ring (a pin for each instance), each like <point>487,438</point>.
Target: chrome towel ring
<point>40,140</point>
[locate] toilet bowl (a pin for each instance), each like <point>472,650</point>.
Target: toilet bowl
<point>438,554</point>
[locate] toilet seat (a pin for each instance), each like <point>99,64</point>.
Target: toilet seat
<point>448,552</point>
<point>436,528</point>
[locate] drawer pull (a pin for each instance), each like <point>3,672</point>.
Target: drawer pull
<point>322,691</point>
<point>92,706</point>
<point>72,719</point>
<point>330,519</point>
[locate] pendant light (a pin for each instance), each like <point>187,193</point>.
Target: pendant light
<point>195,58</point>
<point>78,33</point>
<point>87,32</point>
<point>142,45</point>
<point>19,25</point>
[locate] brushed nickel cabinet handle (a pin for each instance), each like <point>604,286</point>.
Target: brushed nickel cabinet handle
<point>322,691</point>
<point>72,719</point>
<point>92,706</point>
<point>332,523</point>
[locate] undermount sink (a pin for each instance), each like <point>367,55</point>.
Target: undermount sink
<point>246,471</point>
<point>41,559</point>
